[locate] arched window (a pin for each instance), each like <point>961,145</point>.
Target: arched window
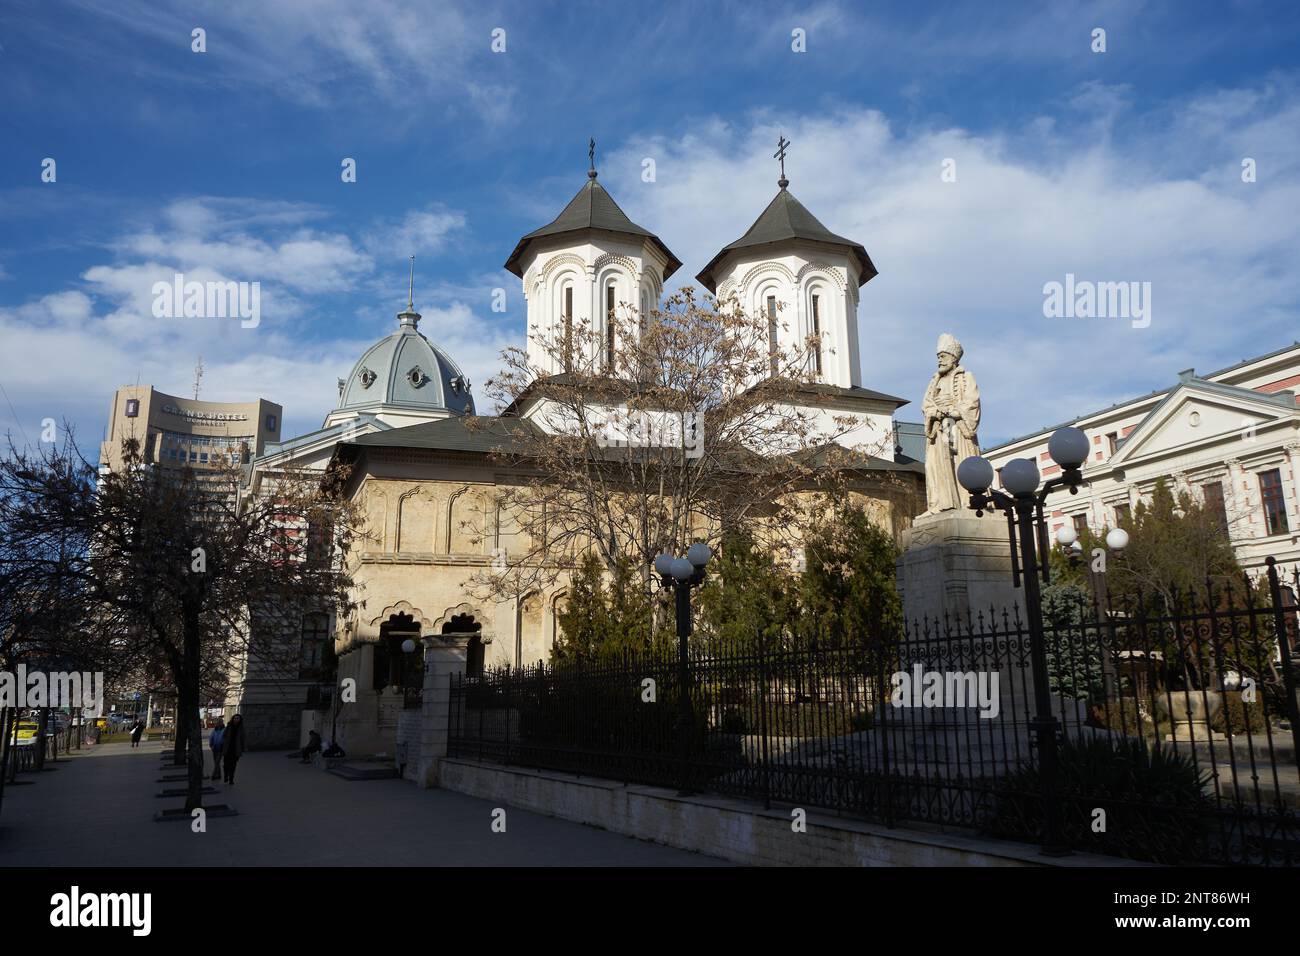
<point>815,322</point>
<point>610,303</point>
<point>771,333</point>
<point>566,320</point>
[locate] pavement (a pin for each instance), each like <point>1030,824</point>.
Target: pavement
<point>97,810</point>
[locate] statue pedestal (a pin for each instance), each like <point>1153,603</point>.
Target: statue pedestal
<point>964,616</point>
<point>957,564</point>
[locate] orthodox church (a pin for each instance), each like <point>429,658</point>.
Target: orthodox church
<point>421,475</point>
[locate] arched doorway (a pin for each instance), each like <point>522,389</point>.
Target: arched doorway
<point>461,624</point>
<point>394,667</point>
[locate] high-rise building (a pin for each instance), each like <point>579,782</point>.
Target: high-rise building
<point>174,432</point>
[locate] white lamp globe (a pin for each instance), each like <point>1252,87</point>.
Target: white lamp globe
<point>699,554</point>
<point>682,569</point>
<point>408,645</point>
<point>975,474</point>
<point>1076,548</point>
<point>1068,447</point>
<point>664,564</point>
<point>1020,476</point>
<point>1066,535</point>
<point>1117,539</point>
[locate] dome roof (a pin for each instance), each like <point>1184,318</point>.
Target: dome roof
<point>407,375</point>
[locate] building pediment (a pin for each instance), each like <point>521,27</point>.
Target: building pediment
<point>1197,414</point>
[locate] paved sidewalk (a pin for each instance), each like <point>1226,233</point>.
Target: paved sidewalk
<point>97,810</point>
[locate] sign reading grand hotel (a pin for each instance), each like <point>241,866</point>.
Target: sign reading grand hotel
<point>194,415</point>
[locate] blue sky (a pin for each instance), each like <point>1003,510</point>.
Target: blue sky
<point>1115,166</point>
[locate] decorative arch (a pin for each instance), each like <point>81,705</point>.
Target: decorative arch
<point>761,270</point>
<point>408,530</point>
<point>613,258</point>
<point>401,608</point>
<point>563,259</point>
<point>815,268</point>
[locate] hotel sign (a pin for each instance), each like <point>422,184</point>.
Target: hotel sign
<point>192,415</point>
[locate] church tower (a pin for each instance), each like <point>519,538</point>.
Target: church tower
<point>791,268</point>
<point>592,259</point>
<point>805,280</point>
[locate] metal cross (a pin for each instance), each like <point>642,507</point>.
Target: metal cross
<point>781,144</point>
<point>591,154</point>
<point>410,298</point>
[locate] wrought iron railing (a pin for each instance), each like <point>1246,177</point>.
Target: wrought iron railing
<point>1177,730</point>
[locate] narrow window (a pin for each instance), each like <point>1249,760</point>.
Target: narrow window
<point>1123,513</point>
<point>1270,490</point>
<point>567,319</point>
<point>1112,443</point>
<point>771,332</point>
<point>1215,507</point>
<point>609,328</point>
<point>817,334</point>
<point>1080,524</point>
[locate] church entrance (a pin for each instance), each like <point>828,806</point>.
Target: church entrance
<point>465,624</point>
<point>394,667</point>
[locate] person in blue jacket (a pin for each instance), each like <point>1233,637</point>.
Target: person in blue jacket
<point>214,742</point>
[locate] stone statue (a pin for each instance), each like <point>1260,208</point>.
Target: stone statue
<point>952,418</point>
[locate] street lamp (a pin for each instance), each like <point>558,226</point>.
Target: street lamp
<point>682,574</point>
<point>1023,507</point>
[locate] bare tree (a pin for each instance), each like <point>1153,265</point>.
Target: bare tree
<point>660,429</point>
<point>176,570</point>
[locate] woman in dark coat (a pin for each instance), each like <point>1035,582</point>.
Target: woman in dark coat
<point>232,746</point>
<point>136,731</point>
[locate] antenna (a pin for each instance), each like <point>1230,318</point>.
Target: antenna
<point>198,377</point>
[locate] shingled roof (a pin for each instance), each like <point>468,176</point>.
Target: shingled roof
<point>786,218</point>
<point>591,209</point>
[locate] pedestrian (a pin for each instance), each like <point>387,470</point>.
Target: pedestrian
<point>136,733</point>
<point>214,741</point>
<point>313,746</point>
<point>233,745</point>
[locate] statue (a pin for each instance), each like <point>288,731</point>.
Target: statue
<point>952,418</point>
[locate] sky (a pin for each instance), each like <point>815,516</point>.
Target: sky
<point>978,151</point>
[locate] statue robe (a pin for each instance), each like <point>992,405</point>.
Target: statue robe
<point>953,398</point>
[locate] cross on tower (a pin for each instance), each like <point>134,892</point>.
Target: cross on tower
<point>591,155</point>
<point>781,144</point>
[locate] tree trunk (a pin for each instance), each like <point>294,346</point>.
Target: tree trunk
<point>188,729</point>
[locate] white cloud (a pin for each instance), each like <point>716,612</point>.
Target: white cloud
<point>971,257</point>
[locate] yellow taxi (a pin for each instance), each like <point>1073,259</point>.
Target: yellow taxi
<point>27,731</point>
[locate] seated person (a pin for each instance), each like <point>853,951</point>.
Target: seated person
<point>313,746</point>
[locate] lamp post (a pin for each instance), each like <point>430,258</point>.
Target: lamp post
<point>682,574</point>
<point>1026,524</point>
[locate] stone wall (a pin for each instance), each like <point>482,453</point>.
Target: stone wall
<point>732,829</point>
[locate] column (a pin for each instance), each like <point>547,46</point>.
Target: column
<point>444,655</point>
<point>1292,449</point>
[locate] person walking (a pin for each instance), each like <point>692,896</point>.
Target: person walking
<point>136,733</point>
<point>214,742</point>
<point>233,744</point>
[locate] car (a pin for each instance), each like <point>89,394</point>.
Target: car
<point>27,731</point>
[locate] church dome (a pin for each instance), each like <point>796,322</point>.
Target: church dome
<point>404,378</point>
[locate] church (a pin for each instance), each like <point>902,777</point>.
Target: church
<point>425,462</point>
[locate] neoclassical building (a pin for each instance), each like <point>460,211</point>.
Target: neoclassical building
<point>1230,438</point>
<point>425,470</point>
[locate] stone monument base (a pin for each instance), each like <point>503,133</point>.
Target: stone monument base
<point>957,564</point>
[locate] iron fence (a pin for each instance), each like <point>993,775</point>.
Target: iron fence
<point>1177,730</point>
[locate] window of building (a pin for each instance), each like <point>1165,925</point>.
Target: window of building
<point>315,631</point>
<point>817,332</point>
<point>1112,442</point>
<point>771,332</point>
<point>1270,491</point>
<point>567,319</point>
<point>1123,514</point>
<point>1212,494</point>
<point>132,408</point>
<point>609,327</point>
<point>1080,523</point>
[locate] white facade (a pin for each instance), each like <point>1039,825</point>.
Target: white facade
<point>1238,428</point>
<point>581,271</point>
<point>794,275</point>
